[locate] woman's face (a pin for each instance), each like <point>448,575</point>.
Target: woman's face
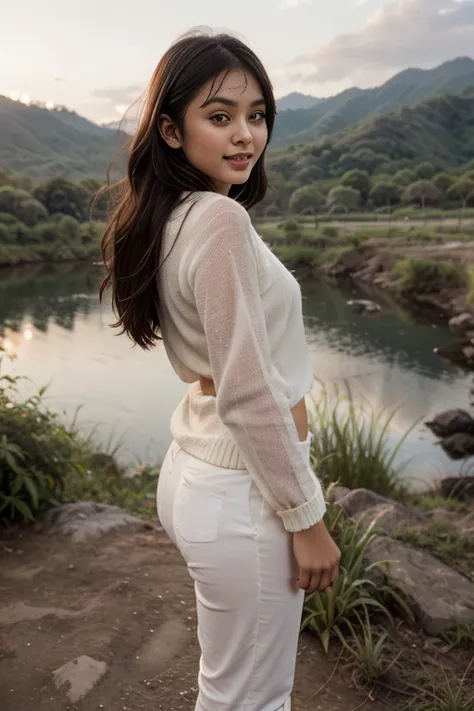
<point>230,123</point>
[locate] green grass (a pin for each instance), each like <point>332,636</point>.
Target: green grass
<point>445,542</point>
<point>333,612</point>
<point>136,494</point>
<point>425,275</point>
<point>429,502</point>
<point>350,446</point>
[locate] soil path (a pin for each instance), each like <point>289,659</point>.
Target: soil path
<point>126,601</point>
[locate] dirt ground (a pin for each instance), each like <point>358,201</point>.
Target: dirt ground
<point>124,599</point>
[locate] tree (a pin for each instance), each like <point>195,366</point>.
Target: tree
<point>424,171</point>
<point>443,181</point>
<point>306,200</point>
<point>11,199</point>
<point>272,210</point>
<point>22,206</point>
<point>359,180</point>
<point>60,195</point>
<point>341,196</point>
<point>68,229</point>
<point>463,189</point>
<point>369,160</point>
<point>404,177</point>
<point>422,192</point>
<point>291,229</point>
<point>384,192</point>
<point>308,174</point>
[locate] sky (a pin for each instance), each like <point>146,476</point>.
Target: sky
<point>97,56</point>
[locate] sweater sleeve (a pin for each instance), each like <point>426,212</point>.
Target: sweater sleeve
<point>223,276</point>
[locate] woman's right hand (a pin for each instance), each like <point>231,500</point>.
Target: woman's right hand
<point>317,556</point>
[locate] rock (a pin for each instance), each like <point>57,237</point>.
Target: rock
<point>359,500</point>
<point>450,422</point>
<point>462,323</point>
<point>458,487</point>
<point>454,352</point>
<point>390,517</point>
<point>86,519</point>
<point>336,493</point>
<point>468,353</point>
<point>441,515</point>
<point>364,306</point>
<point>440,597</point>
<point>82,674</point>
<point>347,263</point>
<point>458,445</point>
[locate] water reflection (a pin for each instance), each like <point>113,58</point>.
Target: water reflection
<point>44,294</point>
<point>50,316</point>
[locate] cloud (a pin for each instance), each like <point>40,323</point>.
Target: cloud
<point>400,34</point>
<point>119,94</point>
<point>289,4</point>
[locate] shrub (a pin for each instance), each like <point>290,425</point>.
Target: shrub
<point>330,231</point>
<point>7,219</point>
<point>427,276</point>
<point>36,453</point>
<point>291,229</point>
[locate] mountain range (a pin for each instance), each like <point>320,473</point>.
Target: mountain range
<point>306,125</point>
<point>45,143</point>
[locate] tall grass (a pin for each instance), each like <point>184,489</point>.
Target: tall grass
<point>355,590</point>
<point>350,446</point>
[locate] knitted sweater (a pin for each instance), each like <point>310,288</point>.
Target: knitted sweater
<point>230,311</point>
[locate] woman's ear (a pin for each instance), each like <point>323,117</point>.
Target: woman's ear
<point>169,131</point>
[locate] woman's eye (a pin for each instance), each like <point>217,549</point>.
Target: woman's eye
<point>260,114</point>
<point>218,116</point>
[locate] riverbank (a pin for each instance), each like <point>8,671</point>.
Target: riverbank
<point>435,277</point>
<point>427,267</point>
<point>113,608</point>
<point>107,601</point>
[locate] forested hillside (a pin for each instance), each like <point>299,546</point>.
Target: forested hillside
<point>44,143</point>
<point>349,107</point>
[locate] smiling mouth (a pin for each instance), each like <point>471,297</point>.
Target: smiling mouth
<point>240,157</point>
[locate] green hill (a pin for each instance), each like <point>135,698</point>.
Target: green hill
<point>45,143</point>
<point>439,130</point>
<point>353,105</point>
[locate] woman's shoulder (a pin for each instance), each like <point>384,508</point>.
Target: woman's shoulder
<point>212,204</point>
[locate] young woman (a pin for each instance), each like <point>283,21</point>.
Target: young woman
<point>236,492</point>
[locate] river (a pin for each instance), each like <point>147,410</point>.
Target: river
<point>51,319</point>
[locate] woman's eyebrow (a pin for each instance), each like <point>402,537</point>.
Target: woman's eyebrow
<point>230,102</point>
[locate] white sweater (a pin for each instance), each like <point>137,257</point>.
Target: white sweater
<point>231,311</point>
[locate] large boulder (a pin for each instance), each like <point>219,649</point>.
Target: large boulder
<point>86,519</point>
<point>367,507</point>
<point>359,500</point>
<point>450,422</point>
<point>335,493</point>
<point>458,445</point>
<point>440,597</point>
<point>390,517</point>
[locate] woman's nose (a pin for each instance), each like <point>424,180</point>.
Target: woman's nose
<point>243,133</point>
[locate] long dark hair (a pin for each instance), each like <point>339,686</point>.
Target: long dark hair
<point>157,175</point>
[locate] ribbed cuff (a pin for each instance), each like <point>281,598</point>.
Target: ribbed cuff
<point>306,515</point>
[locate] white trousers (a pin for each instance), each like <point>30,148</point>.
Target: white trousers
<point>241,560</point>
